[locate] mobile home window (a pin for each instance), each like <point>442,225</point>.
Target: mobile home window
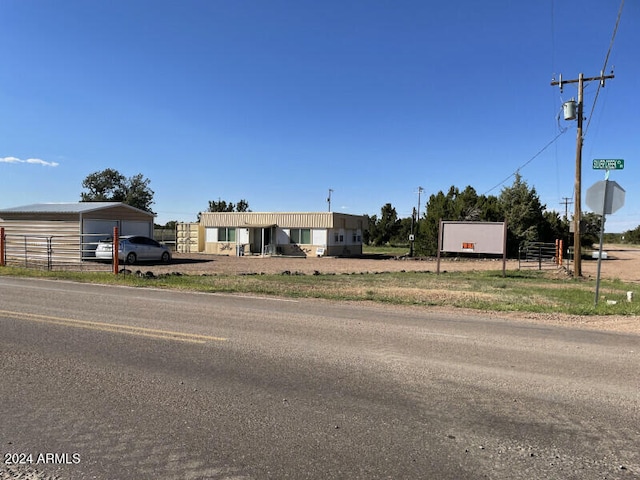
<point>226,234</point>
<point>300,235</point>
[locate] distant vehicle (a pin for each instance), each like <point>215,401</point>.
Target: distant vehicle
<point>132,249</point>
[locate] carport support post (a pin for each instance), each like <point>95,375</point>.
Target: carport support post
<point>2,247</point>
<point>114,250</point>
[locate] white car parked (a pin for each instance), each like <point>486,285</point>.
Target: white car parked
<point>132,249</point>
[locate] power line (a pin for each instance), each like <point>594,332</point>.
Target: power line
<point>602,77</point>
<point>528,161</point>
<point>604,67</point>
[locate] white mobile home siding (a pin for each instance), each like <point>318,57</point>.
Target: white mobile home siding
<point>330,233</point>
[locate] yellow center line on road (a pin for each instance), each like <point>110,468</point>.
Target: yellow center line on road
<point>114,328</point>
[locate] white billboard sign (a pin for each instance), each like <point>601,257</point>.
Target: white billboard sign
<point>473,237</point>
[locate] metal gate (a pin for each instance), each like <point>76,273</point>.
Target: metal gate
<point>540,255</point>
<point>52,252</point>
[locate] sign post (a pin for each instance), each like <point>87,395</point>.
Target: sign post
<point>608,197</point>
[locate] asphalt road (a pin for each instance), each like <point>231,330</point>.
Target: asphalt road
<point>119,383</point>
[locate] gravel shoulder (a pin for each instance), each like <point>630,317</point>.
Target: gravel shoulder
<point>623,263</point>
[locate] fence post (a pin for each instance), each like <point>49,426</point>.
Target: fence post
<point>114,250</point>
<point>560,250</point>
<point>49,254</point>
<point>2,247</point>
<point>540,258</point>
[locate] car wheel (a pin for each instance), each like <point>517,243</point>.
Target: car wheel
<point>131,258</point>
<point>165,257</point>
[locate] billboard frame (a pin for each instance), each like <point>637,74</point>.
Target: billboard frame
<point>473,237</point>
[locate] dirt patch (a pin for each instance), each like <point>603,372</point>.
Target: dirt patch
<point>622,263</point>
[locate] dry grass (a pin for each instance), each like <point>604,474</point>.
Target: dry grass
<point>552,296</point>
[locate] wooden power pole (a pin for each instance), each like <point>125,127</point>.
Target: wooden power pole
<point>577,217</point>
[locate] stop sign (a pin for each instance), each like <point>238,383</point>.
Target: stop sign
<point>614,197</point>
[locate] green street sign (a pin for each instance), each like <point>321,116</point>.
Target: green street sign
<point>608,164</point>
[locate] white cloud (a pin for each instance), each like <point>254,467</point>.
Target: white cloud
<point>10,160</point>
<point>41,162</point>
<point>35,161</point>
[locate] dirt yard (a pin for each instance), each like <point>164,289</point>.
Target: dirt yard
<point>622,263</point>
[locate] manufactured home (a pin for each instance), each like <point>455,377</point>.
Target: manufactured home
<point>276,233</point>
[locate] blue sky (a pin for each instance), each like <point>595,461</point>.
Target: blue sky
<point>277,102</point>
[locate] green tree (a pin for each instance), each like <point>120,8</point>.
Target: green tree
<point>454,206</point>
<point>220,206</point>
<point>555,228</point>
<point>465,205</point>
<point>632,236</point>
<point>242,206</point>
<point>615,238</point>
<point>372,230</point>
<point>490,210</point>
<point>524,214</point>
<point>170,225</point>
<point>590,232</point>
<point>384,229</point>
<point>137,192</point>
<point>223,206</point>
<point>401,237</point>
<point>109,185</point>
<point>427,237</point>
<point>439,207</point>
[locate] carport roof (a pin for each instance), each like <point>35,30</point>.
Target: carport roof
<point>71,207</point>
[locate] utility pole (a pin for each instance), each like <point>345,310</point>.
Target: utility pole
<point>411,236</point>
<point>415,218</point>
<point>566,203</point>
<point>577,217</point>
<point>420,190</point>
<point>329,198</point>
